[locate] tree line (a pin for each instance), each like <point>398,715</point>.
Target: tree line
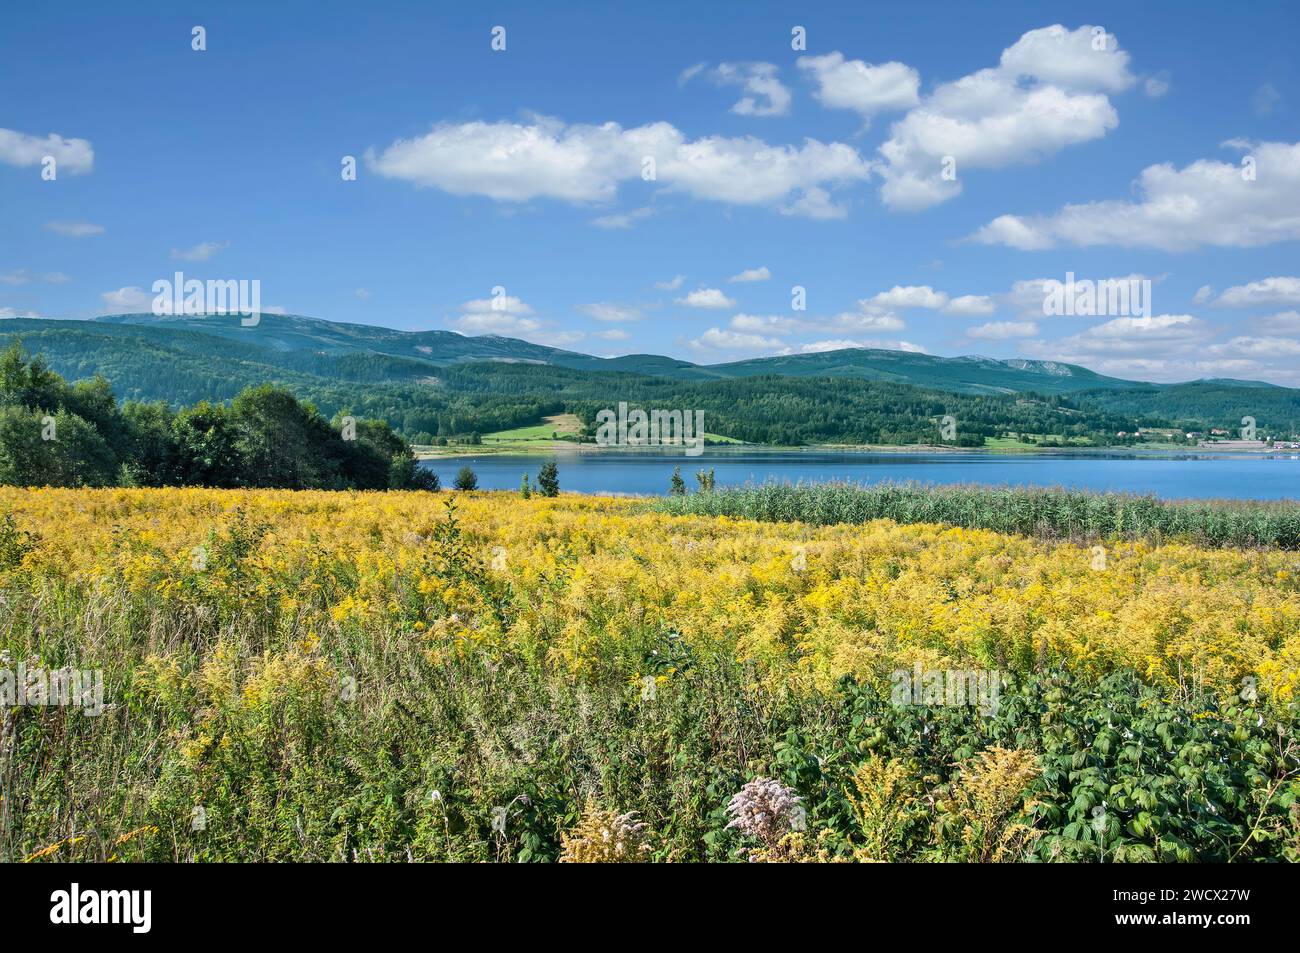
<point>53,433</point>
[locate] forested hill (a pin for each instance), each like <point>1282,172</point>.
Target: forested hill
<point>438,383</point>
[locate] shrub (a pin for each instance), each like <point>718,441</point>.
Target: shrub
<point>605,837</point>
<point>466,479</point>
<point>548,479</point>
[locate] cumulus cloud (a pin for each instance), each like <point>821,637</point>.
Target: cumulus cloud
<point>610,311</point>
<point>496,322</point>
<point>545,158</point>
<point>870,318</point>
<point>1002,330</point>
<point>1131,344</point>
<point>865,88</point>
<point>672,284</point>
<point>1028,296</point>
<point>200,252</point>
<point>706,298</point>
<point>75,229</point>
<point>131,299</point>
<point>910,296</point>
<point>764,324</point>
<point>1049,91</point>
<point>1284,322</point>
<point>970,306</point>
<point>505,314</point>
<point>1173,347</point>
<point>1266,100</point>
<point>1156,86</point>
<point>764,93</point>
<point>839,344</point>
<point>22,276</point>
<point>1266,292</point>
<point>1212,203</point>
<point>71,156</point>
<point>623,219</point>
<point>718,339</point>
<point>753,274</point>
<point>815,203</point>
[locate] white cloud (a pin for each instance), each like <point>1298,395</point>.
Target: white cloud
<point>839,344</point>
<point>1002,330</point>
<point>686,75</point>
<point>909,296</point>
<point>717,339</point>
<point>1259,347</point>
<point>12,313</point>
<point>496,322</point>
<point>973,306</point>
<point>22,276</point>
<point>502,304</point>
<point>1285,322</point>
<point>862,87</point>
<point>753,274</point>
<point>1203,294</point>
<point>815,203</point>
<point>200,252</point>
<point>1156,86</point>
<point>1161,336</point>
<point>1268,291</point>
<point>1205,203</point>
<point>870,318</point>
<point>610,311</point>
<point>623,219</point>
<point>1167,347</point>
<point>545,158</point>
<point>1048,92</point>
<point>557,338</point>
<point>613,334</point>
<point>765,95</point>
<point>130,299</point>
<point>71,156</point>
<point>706,298</point>
<point>505,314</point>
<point>75,229</point>
<point>671,284</point>
<point>764,324</point>
<point>1265,100</point>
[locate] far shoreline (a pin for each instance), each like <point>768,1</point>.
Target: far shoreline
<point>563,446</point>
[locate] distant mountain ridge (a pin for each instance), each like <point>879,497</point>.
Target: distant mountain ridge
<point>439,382</point>
<point>182,359</point>
<point>287,334</point>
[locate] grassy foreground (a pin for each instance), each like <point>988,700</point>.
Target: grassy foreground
<point>385,676</point>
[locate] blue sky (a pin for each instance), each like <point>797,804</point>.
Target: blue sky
<point>522,170</point>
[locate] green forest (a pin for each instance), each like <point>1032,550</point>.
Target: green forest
<point>57,434</point>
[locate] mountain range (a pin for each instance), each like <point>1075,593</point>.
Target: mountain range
<point>183,359</point>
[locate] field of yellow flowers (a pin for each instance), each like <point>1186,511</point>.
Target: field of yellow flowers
<point>407,675</point>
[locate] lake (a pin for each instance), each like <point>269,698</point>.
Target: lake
<point>1174,475</point>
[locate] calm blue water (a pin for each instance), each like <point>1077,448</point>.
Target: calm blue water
<point>1171,476</point>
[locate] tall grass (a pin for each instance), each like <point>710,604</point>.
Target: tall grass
<point>1051,513</point>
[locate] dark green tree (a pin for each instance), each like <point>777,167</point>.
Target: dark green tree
<point>548,479</point>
